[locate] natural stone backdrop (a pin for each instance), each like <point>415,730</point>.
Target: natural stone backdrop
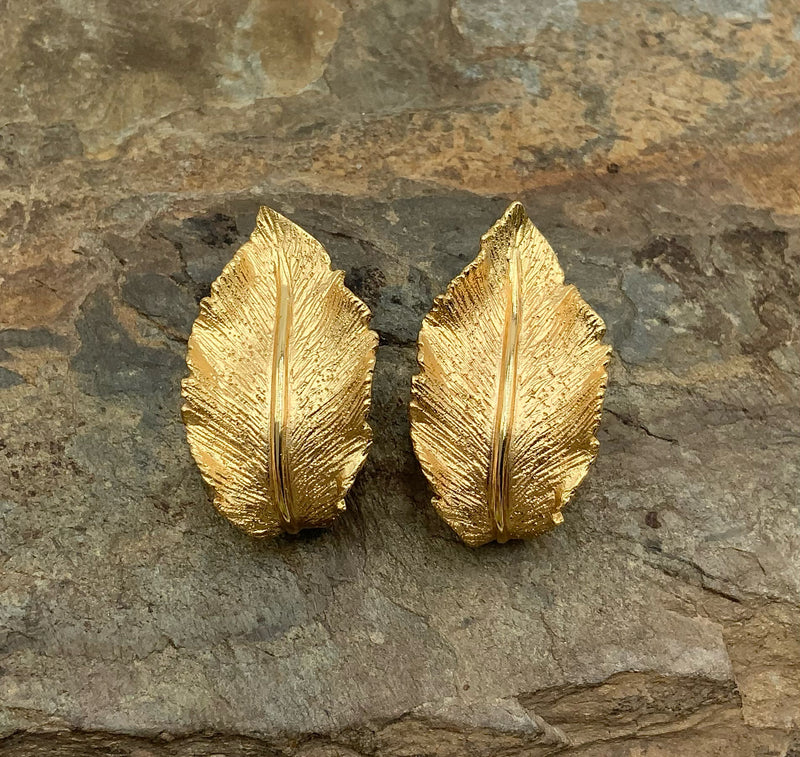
<point>657,145</point>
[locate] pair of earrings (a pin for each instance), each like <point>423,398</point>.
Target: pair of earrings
<point>503,412</point>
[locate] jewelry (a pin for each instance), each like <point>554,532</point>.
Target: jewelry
<point>513,372</point>
<point>280,370</point>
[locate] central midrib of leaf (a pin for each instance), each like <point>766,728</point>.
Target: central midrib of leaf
<point>280,397</point>
<point>499,478</point>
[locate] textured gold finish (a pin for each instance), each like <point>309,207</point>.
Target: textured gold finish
<point>505,408</point>
<point>280,370</point>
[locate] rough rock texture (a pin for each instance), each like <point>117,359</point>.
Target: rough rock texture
<point>657,145</point>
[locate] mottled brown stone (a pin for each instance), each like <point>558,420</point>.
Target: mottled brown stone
<point>655,144</point>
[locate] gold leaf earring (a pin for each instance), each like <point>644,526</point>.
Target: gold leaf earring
<point>513,372</point>
<point>280,370</point>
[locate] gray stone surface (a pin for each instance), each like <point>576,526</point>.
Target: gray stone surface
<point>656,146</point>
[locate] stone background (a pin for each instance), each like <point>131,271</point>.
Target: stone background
<point>656,144</point>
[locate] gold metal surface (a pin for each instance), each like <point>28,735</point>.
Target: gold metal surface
<point>513,372</point>
<point>280,371</point>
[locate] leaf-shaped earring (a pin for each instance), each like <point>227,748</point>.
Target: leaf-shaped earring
<point>506,406</point>
<point>280,371</point>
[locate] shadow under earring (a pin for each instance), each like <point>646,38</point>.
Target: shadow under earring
<point>280,370</point>
<point>513,372</point>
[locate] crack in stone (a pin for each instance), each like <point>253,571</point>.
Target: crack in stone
<point>628,421</point>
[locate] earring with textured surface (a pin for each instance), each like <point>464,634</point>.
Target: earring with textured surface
<point>506,406</point>
<point>280,370</point>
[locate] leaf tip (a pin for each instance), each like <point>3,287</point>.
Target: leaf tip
<point>515,214</point>
<point>265,216</point>
<point>504,230</point>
